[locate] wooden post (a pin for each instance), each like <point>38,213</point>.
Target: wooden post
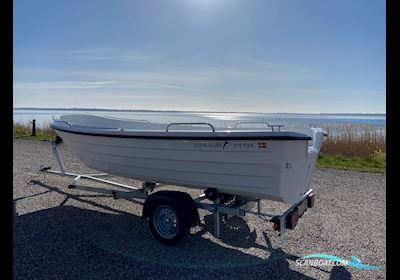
<point>33,127</point>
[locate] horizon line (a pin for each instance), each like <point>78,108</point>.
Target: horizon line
<point>187,111</point>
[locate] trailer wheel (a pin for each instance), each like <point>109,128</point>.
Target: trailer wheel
<point>167,224</point>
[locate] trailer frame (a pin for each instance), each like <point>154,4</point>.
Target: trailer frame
<point>287,220</point>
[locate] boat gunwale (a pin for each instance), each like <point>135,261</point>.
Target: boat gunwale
<point>182,135</point>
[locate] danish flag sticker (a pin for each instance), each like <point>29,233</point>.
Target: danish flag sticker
<point>262,145</point>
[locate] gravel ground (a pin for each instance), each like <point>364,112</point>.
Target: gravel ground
<point>65,233</point>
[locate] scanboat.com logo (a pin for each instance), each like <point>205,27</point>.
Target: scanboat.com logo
<point>330,260</point>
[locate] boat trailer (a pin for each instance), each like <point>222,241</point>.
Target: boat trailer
<point>172,213</point>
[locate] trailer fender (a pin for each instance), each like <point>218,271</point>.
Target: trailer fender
<point>181,200</point>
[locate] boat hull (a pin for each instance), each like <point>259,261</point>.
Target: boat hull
<point>267,169</point>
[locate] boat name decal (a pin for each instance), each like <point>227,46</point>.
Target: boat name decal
<point>209,145</point>
<point>232,145</point>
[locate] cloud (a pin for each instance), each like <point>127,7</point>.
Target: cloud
<point>163,86</point>
<point>99,54</point>
<point>62,85</point>
<point>242,83</point>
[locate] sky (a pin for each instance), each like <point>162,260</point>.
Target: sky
<point>268,56</point>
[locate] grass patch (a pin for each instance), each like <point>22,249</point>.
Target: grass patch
<point>359,141</point>
<point>24,131</point>
<point>354,147</point>
<point>376,163</point>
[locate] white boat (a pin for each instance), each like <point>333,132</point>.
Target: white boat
<point>263,163</point>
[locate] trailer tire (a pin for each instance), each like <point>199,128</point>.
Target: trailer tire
<point>167,223</point>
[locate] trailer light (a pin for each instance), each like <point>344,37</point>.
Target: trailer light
<point>311,200</point>
<point>276,227</point>
<point>292,218</point>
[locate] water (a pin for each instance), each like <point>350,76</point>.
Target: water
<point>43,117</point>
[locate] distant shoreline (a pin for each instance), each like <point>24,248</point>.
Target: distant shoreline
<point>179,111</point>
